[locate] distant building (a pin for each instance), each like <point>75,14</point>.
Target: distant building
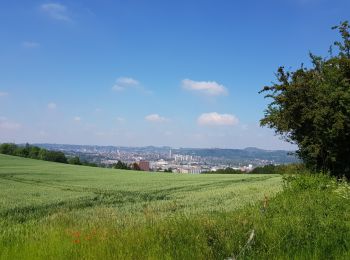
<point>144,165</point>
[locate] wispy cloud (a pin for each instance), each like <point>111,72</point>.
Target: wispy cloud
<point>3,94</point>
<point>120,119</point>
<point>51,106</point>
<point>30,45</point>
<point>209,88</point>
<point>156,118</point>
<point>123,83</point>
<point>5,124</point>
<point>56,11</point>
<point>77,118</point>
<point>216,119</point>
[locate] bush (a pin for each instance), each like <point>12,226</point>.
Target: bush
<point>121,165</point>
<point>228,170</point>
<point>310,107</point>
<point>280,169</point>
<point>74,160</point>
<point>8,148</point>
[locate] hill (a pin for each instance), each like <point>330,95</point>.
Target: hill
<point>28,183</point>
<point>52,210</point>
<point>234,156</point>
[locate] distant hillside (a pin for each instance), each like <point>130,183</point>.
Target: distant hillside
<point>246,155</point>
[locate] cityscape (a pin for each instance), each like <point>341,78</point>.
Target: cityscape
<point>176,160</point>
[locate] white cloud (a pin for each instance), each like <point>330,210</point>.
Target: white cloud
<point>216,119</point>
<point>30,45</point>
<point>3,94</point>
<point>155,118</point>
<point>209,88</point>
<point>56,11</point>
<point>77,118</point>
<point>51,106</point>
<point>124,83</point>
<point>127,81</point>
<point>120,119</point>
<point>8,125</point>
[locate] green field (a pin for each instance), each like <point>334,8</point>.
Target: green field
<point>58,211</point>
<point>32,185</point>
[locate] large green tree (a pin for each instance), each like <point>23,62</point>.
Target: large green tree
<point>310,107</point>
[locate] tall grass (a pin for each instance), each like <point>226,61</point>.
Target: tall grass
<point>308,219</point>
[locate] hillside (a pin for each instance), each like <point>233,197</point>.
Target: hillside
<point>28,183</point>
<point>51,210</point>
<point>247,155</point>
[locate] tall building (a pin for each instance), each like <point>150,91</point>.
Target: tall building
<point>144,165</point>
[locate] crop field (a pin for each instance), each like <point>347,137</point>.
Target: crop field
<point>33,192</point>
<point>31,186</point>
<point>59,211</point>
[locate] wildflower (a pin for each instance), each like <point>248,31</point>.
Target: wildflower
<point>76,234</point>
<point>265,204</point>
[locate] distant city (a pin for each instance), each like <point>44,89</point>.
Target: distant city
<point>177,160</point>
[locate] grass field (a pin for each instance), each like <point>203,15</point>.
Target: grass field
<point>58,211</point>
<point>32,186</point>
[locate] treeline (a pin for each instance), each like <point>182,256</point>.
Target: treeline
<point>35,152</point>
<point>227,170</point>
<point>280,169</point>
<point>124,166</point>
<point>266,169</point>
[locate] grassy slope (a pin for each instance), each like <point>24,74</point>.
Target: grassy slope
<point>59,211</point>
<point>32,183</point>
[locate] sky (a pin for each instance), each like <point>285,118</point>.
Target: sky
<point>182,73</point>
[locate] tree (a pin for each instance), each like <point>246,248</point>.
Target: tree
<point>8,148</point>
<point>135,166</point>
<point>53,156</point>
<point>74,160</point>
<point>121,165</point>
<point>311,108</point>
<point>34,152</point>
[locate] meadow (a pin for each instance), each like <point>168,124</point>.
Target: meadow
<point>59,211</point>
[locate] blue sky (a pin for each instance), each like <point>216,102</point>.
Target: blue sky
<point>182,73</point>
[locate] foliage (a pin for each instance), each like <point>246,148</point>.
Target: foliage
<point>52,156</point>
<point>311,108</point>
<point>121,165</point>
<point>124,166</point>
<point>9,149</point>
<point>91,164</point>
<point>280,169</point>
<point>33,152</point>
<point>74,160</point>
<point>135,166</point>
<point>124,215</point>
<point>227,170</point>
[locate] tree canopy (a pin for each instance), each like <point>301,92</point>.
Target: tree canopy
<point>311,108</point>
